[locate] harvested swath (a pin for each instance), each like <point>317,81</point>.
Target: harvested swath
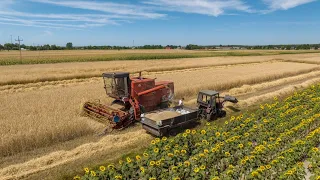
<point>256,87</point>
<point>281,92</point>
<point>162,115</point>
<point>190,82</point>
<point>19,74</point>
<point>113,144</point>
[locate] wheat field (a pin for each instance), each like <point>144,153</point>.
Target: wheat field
<point>21,74</point>
<point>42,116</point>
<point>45,57</point>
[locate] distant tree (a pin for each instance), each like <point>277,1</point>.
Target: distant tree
<point>32,48</point>
<point>1,47</point>
<point>53,47</point>
<point>23,46</point>
<point>192,46</point>
<point>288,47</point>
<point>69,45</point>
<point>46,47</point>
<point>8,46</point>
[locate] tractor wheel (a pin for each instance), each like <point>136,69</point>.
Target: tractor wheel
<point>209,117</point>
<point>222,113</point>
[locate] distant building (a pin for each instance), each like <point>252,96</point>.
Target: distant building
<point>223,47</point>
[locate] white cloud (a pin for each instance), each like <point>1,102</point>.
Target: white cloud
<point>16,19</point>
<point>285,4</point>
<point>110,14</point>
<point>205,7</point>
<point>107,7</point>
<point>98,13</point>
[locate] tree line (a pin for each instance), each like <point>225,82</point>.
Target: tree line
<point>69,46</point>
<point>282,47</point>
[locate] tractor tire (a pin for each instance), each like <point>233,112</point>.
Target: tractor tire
<point>222,114</point>
<point>209,117</point>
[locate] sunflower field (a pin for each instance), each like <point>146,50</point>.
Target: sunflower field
<point>274,142</point>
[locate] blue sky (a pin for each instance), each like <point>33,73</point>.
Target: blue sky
<point>176,22</point>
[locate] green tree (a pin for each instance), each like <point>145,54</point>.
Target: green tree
<point>1,47</point>
<point>192,46</point>
<point>288,47</point>
<point>8,46</point>
<point>53,47</point>
<point>69,45</point>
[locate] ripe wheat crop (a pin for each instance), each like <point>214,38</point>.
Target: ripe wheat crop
<point>52,115</point>
<point>30,57</point>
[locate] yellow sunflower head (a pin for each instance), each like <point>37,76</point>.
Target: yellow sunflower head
<point>187,163</point>
<point>93,173</point>
<point>196,170</point>
<point>152,163</point>
<point>86,170</point>
<point>102,168</point>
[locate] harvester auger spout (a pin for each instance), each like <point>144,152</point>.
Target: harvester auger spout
<point>230,99</point>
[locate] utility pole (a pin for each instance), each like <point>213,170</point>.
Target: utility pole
<point>19,40</point>
<point>11,39</point>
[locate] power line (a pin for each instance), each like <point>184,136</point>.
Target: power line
<point>19,40</point>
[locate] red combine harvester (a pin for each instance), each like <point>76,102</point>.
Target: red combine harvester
<point>133,96</point>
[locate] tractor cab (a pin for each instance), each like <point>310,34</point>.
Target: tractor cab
<point>210,104</point>
<point>117,84</point>
<point>208,98</point>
